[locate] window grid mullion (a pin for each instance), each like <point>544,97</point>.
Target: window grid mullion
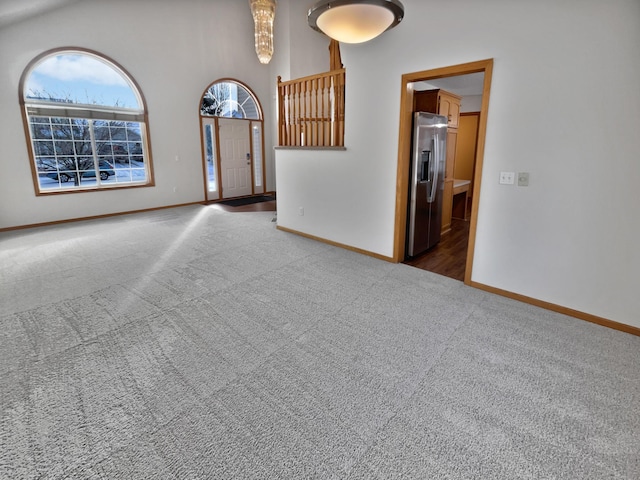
<point>94,153</point>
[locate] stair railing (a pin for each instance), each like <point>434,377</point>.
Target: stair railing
<point>311,110</point>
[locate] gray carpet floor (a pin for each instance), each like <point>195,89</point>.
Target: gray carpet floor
<point>192,343</point>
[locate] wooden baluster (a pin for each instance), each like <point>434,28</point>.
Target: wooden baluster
<point>279,87</point>
<point>299,115</point>
<point>281,132</point>
<point>300,111</point>
<point>332,99</point>
<point>325,110</point>
<point>283,117</point>
<point>331,105</point>
<point>340,84</point>
<point>310,114</point>
<point>320,113</point>
<point>334,112</point>
<point>309,127</point>
<point>292,119</point>
<point>314,133</point>
<point>294,115</point>
<point>305,114</point>
<point>309,131</point>
<point>342,107</point>
<point>328,111</point>
<point>288,114</point>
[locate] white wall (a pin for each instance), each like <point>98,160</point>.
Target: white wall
<point>471,103</point>
<point>307,57</point>
<point>564,106</point>
<point>174,50</point>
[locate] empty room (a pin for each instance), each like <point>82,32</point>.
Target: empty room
<point>210,213</point>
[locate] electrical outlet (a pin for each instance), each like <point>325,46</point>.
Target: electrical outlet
<point>507,178</point>
<point>301,211</point>
<point>523,179</point>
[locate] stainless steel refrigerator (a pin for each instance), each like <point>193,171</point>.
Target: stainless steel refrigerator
<point>426,187</point>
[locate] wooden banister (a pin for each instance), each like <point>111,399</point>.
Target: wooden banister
<point>311,110</point>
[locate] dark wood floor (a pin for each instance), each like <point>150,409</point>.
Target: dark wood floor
<point>253,207</point>
<point>447,258</point>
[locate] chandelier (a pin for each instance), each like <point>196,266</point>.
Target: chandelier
<point>263,12</point>
<point>355,21</point>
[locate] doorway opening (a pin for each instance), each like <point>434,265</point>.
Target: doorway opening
<point>440,78</point>
<point>231,128</point>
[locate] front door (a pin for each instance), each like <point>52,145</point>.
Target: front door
<point>235,157</point>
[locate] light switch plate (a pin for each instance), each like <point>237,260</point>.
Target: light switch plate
<point>507,178</point>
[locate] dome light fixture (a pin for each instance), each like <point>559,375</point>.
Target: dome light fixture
<point>355,21</point>
<point>263,12</point>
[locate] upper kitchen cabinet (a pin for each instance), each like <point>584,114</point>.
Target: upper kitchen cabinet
<point>438,101</point>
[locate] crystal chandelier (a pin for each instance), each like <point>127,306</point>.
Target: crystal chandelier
<point>263,12</point>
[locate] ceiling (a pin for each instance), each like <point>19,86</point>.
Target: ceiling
<point>14,11</point>
<point>470,84</point>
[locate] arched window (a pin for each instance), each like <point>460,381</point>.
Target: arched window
<point>232,140</point>
<point>228,98</point>
<point>86,123</point>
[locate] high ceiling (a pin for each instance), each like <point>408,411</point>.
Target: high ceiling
<point>13,11</point>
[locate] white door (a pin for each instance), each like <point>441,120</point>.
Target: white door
<point>235,157</point>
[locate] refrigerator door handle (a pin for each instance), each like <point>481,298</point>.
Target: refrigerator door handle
<point>433,185</point>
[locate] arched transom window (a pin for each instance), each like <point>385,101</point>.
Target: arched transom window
<point>86,122</point>
<point>230,99</point>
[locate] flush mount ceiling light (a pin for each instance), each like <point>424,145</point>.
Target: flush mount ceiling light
<point>355,21</point>
<point>263,12</point>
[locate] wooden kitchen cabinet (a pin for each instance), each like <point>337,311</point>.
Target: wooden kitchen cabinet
<point>440,102</point>
<point>447,205</point>
<point>450,108</point>
<point>447,201</point>
<point>452,142</point>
